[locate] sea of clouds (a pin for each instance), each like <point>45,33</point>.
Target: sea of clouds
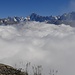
<point>52,46</point>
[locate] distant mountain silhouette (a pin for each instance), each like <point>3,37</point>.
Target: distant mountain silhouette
<point>66,18</point>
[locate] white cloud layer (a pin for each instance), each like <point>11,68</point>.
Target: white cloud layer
<point>43,44</point>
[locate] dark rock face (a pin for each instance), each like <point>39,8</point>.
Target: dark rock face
<point>35,17</point>
<point>8,70</point>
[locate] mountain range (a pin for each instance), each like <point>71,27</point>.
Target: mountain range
<point>66,18</point>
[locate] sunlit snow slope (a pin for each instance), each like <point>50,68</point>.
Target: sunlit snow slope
<point>48,45</point>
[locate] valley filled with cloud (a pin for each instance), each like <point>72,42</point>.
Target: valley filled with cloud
<point>49,45</point>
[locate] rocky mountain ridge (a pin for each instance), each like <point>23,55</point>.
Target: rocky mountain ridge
<point>66,18</point>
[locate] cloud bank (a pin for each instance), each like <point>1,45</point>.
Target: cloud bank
<point>52,46</point>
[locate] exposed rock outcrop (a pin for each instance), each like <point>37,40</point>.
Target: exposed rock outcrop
<point>8,70</point>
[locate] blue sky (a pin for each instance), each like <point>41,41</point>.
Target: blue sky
<point>41,7</point>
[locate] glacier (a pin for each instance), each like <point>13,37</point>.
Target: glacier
<point>49,45</point>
